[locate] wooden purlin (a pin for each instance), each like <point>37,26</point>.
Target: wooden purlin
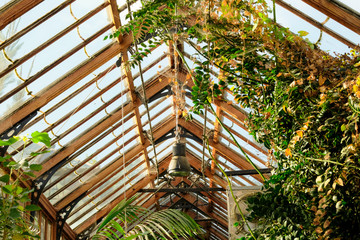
<point>114,192</point>
<point>316,23</point>
<point>90,169</point>
<point>15,9</point>
<point>52,65</point>
<point>44,45</point>
<point>233,157</point>
<point>202,206</point>
<point>196,163</point>
<point>59,86</point>
<point>33,25</point>
<point>338,12</point>
<point>223,204</point>
<point>113,182</point>
<point>101,126</point>
<point>167,126</point>
<point>237,134</point>
<point>130,83</point>
<point>208,228</point>
<point>129,193</point>
<point>225,166</point>
<point>249,153</point>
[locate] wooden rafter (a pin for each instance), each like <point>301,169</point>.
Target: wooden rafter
<point>115,15</point>
<point>233,157</point>
<point>128,156</point>
<point>59,86</point>
<point>15,9</point>
<point>337,11</point>
<point>129,193</point>
<point>91,133</point>
<point>316,23</point>
<point>59,35</point>
<point>202,206</point>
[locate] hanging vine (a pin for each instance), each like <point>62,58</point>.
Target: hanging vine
<point>304,102</point>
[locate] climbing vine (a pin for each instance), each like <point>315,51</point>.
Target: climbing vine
<point>305,107</point>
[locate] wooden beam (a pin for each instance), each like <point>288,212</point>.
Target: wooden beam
<point>193,215</point>
<point>85,137</point>
<point>50,66</point>
<point>128,156</point>
<point>233,157</point>
<point>196,163</point>
<point>315,23</point>
<point>216,200</point>
<point>217,234</point>
<point>247,172</point>
<point>59,86</point>
<point>63,83</point>
<point>202,206</point>
<point>129,193</point>
<point>235,112</point>
<point>183,190</point>
<point>33,25</point>
<point>44,45</point>
<point>15,9</point>
<point>339,12</point>
<point>91,133</point>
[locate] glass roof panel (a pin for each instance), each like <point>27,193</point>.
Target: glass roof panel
<point>352,4</point>
<point>296,24</point>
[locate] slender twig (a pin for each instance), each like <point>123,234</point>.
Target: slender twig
<point>236,142</point>
<point>231,190</point>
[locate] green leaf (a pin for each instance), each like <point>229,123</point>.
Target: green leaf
<point>343,127</point>
<point>7,189</point>
<point>32,207</point>
<point>303,33</point>
<point>9,142</point>
<point>38,153</point>
<point>2,159</point>
<point>41,137</point>
<point>14,213</point>
<point>5,178</point>
<point>106,37</point>
<point>30,174</point>
<point>35,167</point>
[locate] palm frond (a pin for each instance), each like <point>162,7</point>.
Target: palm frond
<point>164,224</point>
<point>168,224</point>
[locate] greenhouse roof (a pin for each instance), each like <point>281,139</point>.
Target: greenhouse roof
<point>59,75</point>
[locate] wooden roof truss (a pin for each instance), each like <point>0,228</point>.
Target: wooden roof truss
<point>99,124</point>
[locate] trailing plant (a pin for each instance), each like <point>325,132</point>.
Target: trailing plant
<point>127,221</point>
<point>15,204</point>
<point>304,107</point>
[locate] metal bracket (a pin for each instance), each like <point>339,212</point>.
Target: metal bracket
<point>14,130</point>
<point>166,91</point>
<point>184,133</point>
<point>64,213</point>
<point>84,235</point>
<point>40,183</point>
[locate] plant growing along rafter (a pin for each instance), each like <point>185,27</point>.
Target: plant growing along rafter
<point>14,199</point>
<point>304,108</point>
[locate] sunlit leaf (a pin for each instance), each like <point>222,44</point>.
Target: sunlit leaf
<point>41,137</point>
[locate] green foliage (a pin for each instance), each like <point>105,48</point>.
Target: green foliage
<point>14,199</point>
<point>165,224</point>
<point>305,108</point>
